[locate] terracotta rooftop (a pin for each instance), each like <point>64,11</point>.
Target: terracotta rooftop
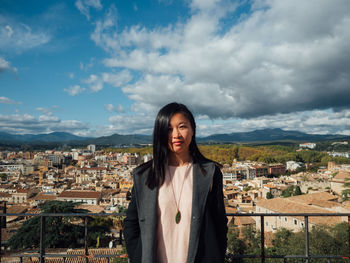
<point>342,175</point>
<point>285,205</point>
<point>79,194</point>
<point>91,208</point>
<point>244,220</point>
<point>22,191</point>
<point>43,196</point>
<point>270,186</point>
<point>4,195</point>
<point>92,168</point>
<point>310,198</point>
<point>103,251</point>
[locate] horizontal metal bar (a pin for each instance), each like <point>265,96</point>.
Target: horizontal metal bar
<point>227,214</point>
<point>68,255</point>
<point>291,256</point>
<point>64,214</point>
<point>289,214</point>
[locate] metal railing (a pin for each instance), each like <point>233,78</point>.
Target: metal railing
<point>307,254</point>
<point>41,255</point>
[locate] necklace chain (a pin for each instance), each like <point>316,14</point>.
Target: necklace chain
<point>178,214</point>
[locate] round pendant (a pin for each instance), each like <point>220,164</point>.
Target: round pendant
<point>178,217</point>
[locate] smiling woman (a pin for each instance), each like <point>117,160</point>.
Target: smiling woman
<point>177,209</point>
<point>179,140</point>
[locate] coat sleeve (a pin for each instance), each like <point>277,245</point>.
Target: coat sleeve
<point>218,209</point>
<point>132,228</point>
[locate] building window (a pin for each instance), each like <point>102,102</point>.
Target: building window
<point>295,222</point>
<point>286,219</point>
<point>267,223</point>
<point>302,224</point>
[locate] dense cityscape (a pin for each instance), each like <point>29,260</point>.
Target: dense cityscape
<point>99,181</point>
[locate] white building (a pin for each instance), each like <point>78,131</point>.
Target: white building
<point>308,145</point>
<point>87,197</point>
<point>292,165</point>
<point>91,148</point>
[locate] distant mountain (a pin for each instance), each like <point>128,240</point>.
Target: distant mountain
<point>117,139</point>
<point>34,138</point>
<point>265,135</point>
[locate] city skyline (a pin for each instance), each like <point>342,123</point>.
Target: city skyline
<point>100,67</point>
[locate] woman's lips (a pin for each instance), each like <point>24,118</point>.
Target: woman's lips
<point>178,143</point>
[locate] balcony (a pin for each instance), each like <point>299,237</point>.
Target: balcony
<point>89,254</point>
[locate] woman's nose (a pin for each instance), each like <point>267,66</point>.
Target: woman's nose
<point>176,133</point>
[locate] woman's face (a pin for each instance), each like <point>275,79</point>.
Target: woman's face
<point>179,134</point>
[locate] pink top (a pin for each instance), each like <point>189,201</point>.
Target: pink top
<point>172,238</point>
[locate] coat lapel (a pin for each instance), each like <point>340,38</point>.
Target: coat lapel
<point>147,203</point>
<point>201,186</point>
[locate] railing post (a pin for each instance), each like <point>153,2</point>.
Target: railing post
<point>120,237</point>
<point>2,225</point>
<point>349,234</point>
<point>3,218</point>
<point>42,239</point>
<point>0,238</point>
<point>262,239</point>
<point>307,250</point>
<point>86,240</point>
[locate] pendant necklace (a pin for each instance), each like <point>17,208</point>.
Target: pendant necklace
<point>178,214</point>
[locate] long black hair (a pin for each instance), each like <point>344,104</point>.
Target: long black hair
<point>156,174</point>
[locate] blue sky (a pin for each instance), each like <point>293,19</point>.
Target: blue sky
<point>98,67</point>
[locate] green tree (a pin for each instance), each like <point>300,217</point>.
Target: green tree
<point>3,176</point>
<point>269,195</point>
<point>323,241</point>
<point>60,231</point>
<point>297,190</point>
<point>120,259</point>
<point>252,239</point>
<point>288,192</point>
<point>235,245</point>
<point>346,192</point>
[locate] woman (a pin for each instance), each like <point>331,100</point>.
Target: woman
<point>177,212</point>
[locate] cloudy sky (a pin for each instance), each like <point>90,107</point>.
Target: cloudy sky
<point>98,67</point>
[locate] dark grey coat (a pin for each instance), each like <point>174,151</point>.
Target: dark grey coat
<point>208,231</point>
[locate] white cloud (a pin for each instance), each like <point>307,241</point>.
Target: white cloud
<point>6,100</point>
<point>5,65</point>
<point>29,124</point>
<point>278,58</point>
<point>74,90</point>
<point>95,83</point>
<point>48,118</point>
<point>84,6</point>
<point>86,66</point>
<point>130,124</point>
<point>111,107</point>
<point>312,122</point>
<point>118,79</point>
<point>19,37</point>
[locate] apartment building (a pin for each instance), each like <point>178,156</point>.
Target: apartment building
<point>87,197</point>
<point>321,202</point>
<point>337,183</point>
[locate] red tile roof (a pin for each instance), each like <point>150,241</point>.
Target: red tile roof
<point>80,194</point>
